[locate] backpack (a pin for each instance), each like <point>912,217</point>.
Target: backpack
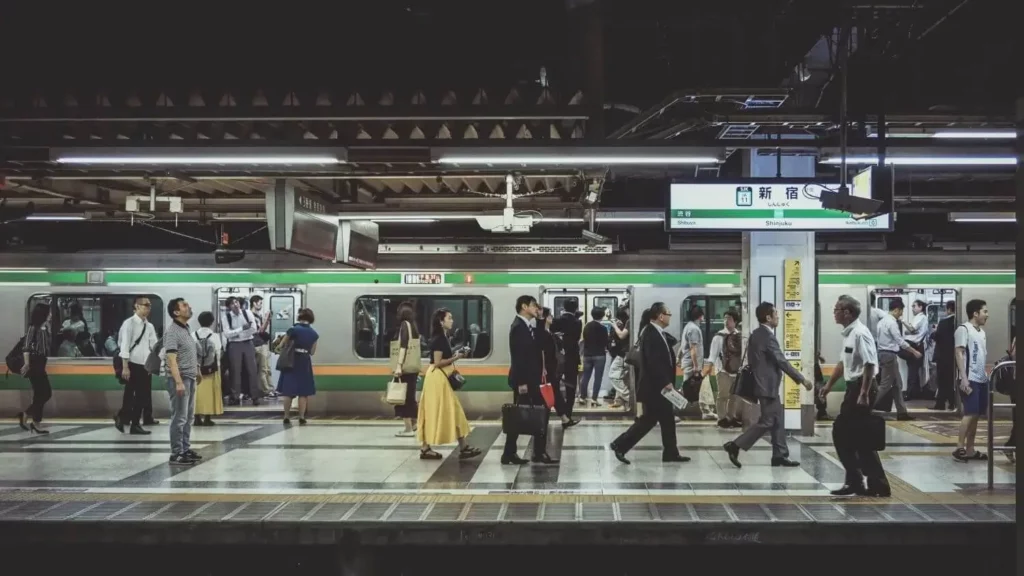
<point>16,357</point>
<point>119,362</point>
<point>1004,376</point>
<point>732,353</point>
<point>207,356</point>
<point>153,362</point>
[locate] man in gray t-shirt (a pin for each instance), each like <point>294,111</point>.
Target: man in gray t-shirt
<point>182,377</point>
<point>691,351</point>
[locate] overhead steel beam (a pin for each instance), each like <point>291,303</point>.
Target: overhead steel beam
<point>305,114</point>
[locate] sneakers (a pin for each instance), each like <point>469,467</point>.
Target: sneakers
<point>193,454</point>
<point>182,460</point>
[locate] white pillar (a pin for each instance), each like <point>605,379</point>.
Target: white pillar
<point>768,258</point>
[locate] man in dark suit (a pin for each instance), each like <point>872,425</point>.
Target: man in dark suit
<point>767,363</point>
<point>657,373</point>
<point>571,328</point>
<point>945,368</point>
<point>524,376</point>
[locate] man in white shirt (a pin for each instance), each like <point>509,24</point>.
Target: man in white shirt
<point>726,359</point>
<point>261,341</point>
<point>915,332</point>
<point>858,361</point>
<point>135,341</point>
<point>890,342</point>
<point>238,327</point>
<point>971,357</point>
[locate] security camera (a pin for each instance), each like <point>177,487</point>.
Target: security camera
<point>228,256</point>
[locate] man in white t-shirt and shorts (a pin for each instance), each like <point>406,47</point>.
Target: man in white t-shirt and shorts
<point>971,355</point>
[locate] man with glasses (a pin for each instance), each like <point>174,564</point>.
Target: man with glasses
<point>135,340</point>
<point>657,373</point>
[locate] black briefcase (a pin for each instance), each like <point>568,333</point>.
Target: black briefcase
<point>524,419</point>
<point>743,385</point>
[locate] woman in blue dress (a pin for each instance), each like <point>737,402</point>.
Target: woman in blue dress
<point>297,382</point>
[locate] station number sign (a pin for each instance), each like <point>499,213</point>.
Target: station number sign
<point>421,279</point>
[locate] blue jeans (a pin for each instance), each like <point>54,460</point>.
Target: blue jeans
<point>592,365</point>
<point>183,412</point>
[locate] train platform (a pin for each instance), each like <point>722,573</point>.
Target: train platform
<point>357,481</point>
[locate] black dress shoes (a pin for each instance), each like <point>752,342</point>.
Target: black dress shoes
<point>734,453</point>
<point>513,459</point>
<point>785,462</point>
<point>139,431</point>
<point>544,459</point>
<point>850,490</point>
<point>620,455</point>
<point>675,458</point>
<point>118,424</point>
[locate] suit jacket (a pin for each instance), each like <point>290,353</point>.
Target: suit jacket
<point>525,357</point>
<point>572,331</point>
<point>659,365</point>
<point>767,363</point>
<point>944,341</point>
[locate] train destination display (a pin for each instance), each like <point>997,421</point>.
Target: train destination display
<point>778,205</point>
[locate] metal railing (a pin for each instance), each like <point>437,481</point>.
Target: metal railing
<point>992,449</point>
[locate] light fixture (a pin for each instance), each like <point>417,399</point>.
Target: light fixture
<point>514,160</point>
<point>976,134</point>
<point>928,160</point>
<point>55,217</point>
<point>407,221</point>
<point>988,217</point>
<point>950,134</point>
<point>630,219</point>
<point>240,216</point>
<point>203,160</point>
<point>412,218</point>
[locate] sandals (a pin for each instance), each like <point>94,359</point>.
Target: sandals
<point>469,452</point>
<point>429,454</point>
<point>960,455</point>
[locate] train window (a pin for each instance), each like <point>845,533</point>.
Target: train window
<point>714,314</point>
<point>86,325</point>
<point>283,314</point>
<point>376,322</point>
<point>609,303</point>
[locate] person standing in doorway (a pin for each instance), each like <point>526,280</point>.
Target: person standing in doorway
<point>657,374</point>
<point>914,333</point>
<point>971,358</point>
<point>524,377</point>
<point>552,353</point>
<point>945,365</point>
<point>858,361</point>
<point>618,372</point>
<point>239,327</point>
<point>595,348</point>
<point>890,342</point>
<point>767,363</point>
<point>405,369</point>
<point>261,342</point>
<point>36,351</point>
<point>298,381</point>
<point>209,392</point>
<point>135,341</point>
<point>182,355</point>
<point>571,329</point>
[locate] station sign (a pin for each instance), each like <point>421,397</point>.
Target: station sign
<point>299,223</point>
<point>761,205</point>
<point>359,244</point>
<point>423,279</point>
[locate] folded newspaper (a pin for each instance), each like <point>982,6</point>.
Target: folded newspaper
<point>677,399</point>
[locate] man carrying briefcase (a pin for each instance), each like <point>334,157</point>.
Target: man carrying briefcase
<point>528,413</point>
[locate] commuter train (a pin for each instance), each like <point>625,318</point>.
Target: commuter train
<point>355,310</point>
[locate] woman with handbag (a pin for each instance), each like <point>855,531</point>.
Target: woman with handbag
<point>36,351</point>
<point>441,417</point>
<point>296,365</point>
<point>405,357</point>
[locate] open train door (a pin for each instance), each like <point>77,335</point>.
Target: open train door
<point>609,299</point>
<point>283,303</point>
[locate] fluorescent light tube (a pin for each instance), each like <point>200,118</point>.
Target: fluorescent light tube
<point>982,217</point>
<point>577,160</point>
<point>630,219</point>
<point>218,160</point>
<point>405,220</point>
<point>969,134</point>
<point>929,160</point>
<point>55,217</point>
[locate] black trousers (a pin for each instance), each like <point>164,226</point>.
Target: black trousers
<point>138,395</point>
<point>944,381</point>
<point>41,390</point>
<point>915,386</point>
<point>410,409</point>
<point>848,439</point>
<point>570,377</point>
<point>656,411</point>
<point>540,443</point>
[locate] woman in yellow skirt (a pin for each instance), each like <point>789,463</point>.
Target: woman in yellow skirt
<point>209,398</point>
<point>441,417</point>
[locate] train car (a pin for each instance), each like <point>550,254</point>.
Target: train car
<point>355,310</point>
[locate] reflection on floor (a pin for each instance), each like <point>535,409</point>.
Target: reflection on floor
<point>333,457</point>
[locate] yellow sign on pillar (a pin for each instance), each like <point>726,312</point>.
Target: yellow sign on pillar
<point>791,390</point>
<point>792,278</point>
<point>793,331</point>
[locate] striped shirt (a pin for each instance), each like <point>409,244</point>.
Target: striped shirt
<point>178,340</point>
<point>38,341</point>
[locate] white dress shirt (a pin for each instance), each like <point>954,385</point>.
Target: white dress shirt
<point>233,331</point>
<point>130,331</point>
<point>889,337</point>
<point>858,351</point>
<point>920,324</point>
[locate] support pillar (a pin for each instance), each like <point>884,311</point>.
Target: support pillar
<point>779,267</point>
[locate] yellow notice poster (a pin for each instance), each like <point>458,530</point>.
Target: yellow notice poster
<point>792,278</point>
<point>791,390</point>
<point>792,330</point>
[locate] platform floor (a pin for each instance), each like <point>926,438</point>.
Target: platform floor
<point>359,474</point>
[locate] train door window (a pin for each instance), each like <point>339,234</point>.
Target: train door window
<point>282,303</point>
<point>283,313</point>
<point>378,315</point>
<point>609,303</point>
<point>87,325</point>
<point>714,308</point>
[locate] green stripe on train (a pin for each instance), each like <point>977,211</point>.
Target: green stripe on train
<point>356,383</point>
<point>465,278</point>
